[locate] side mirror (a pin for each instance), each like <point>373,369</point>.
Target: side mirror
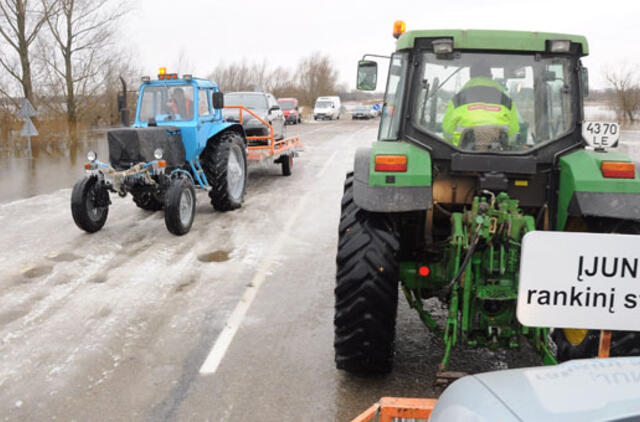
<point>584,72</point>
<point>218,100</point>
<point>367,75</point>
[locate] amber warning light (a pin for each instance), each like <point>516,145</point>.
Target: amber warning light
<point>163,75</point>
<point>398,28</point>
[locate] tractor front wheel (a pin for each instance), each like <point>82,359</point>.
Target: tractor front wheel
<point>366,293</point>
<point>179,206</point>
<point>225,165</point>
<point>89,204</point>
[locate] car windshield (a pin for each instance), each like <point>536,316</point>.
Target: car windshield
<point>286,105</point>
<point>363,108</point>
<point>323,104</point>
<point>166,103</point>
<point>252,101</point>
<point>494,102</point>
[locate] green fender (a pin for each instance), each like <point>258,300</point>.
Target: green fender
<point>393,191</point>
<point>584,191</point>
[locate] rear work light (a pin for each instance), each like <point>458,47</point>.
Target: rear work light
<point>391,163</point>
<point>617,170</point>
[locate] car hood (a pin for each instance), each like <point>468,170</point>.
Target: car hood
<point>588,389</point>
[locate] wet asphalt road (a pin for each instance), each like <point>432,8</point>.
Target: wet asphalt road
<point>117,325</point>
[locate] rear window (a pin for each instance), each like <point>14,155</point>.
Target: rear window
<point>253,101</point>
<point>286,105</point>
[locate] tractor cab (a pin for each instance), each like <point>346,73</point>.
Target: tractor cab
<point>192,106</point>
<point>494,109</point>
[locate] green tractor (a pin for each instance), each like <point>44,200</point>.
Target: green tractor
<point>482,139</point>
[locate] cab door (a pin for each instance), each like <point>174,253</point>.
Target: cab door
<point>205,117</point>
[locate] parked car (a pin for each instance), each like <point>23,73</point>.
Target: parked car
<point>291,110</point>
<point>363,112</point>
<point>261,103</point>
<point>327,108</point>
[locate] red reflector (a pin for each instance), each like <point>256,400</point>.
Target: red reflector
<point>617,170</point>
<point>391,163</point>
<point>87,166</point>
<point>423,271</point>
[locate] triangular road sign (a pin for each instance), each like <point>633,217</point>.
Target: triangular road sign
<point>27,110</point>
<point>28,129</point>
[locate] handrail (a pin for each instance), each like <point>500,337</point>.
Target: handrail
<point>274,146</point>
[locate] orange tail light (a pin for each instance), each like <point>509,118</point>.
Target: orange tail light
<point>391,163</point>
<point>617,170</point>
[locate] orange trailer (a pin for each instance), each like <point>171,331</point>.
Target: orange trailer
<point>281,151</point>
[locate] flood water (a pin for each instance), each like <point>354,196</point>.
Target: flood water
<point>55,164</point>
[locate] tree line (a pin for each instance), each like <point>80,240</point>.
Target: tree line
<point>62,56</point>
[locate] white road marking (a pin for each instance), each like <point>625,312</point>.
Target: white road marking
<point>223,341</point>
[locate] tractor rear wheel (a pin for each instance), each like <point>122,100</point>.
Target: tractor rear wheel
<point>582,343</point>
<point>366,293</point>
<point>89,204</point>
<point>225,165</point>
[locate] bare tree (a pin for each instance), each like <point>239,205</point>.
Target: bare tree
<point>626,90</point>
<point>317,76</point>
<point>82,32</point>
<point>242,76</point>
<point>20,23</point>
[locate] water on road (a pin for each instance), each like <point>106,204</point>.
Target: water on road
<point>118,325</point>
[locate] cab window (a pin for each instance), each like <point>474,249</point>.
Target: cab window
<point>204,97</point>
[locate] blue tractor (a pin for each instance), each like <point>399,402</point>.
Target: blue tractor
<point>179,140</point>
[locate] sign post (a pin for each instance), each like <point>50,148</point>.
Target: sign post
<point>27,112</point>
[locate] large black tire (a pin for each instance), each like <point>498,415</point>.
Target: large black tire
<point>179,206</point>
<point>89,204</point>
<point>146,200</point>
<point>366,293</point>
<point>228,187</point>
<point>582,344</point>
<point>287,164</point>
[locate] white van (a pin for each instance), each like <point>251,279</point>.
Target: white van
<point>327,108</point>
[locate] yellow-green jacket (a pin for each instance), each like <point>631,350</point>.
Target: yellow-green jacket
<point>480,102</point>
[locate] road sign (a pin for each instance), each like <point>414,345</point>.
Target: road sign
<point>28,129</point>
<point>580,280</point>
<point>26,110</point>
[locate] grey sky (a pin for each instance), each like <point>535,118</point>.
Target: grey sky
<point>206,32</point>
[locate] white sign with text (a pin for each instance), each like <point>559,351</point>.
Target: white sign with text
<point>580,280</point>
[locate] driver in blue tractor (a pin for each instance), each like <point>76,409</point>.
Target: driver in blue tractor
<point>180,105</point>
<point>481,103</point>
